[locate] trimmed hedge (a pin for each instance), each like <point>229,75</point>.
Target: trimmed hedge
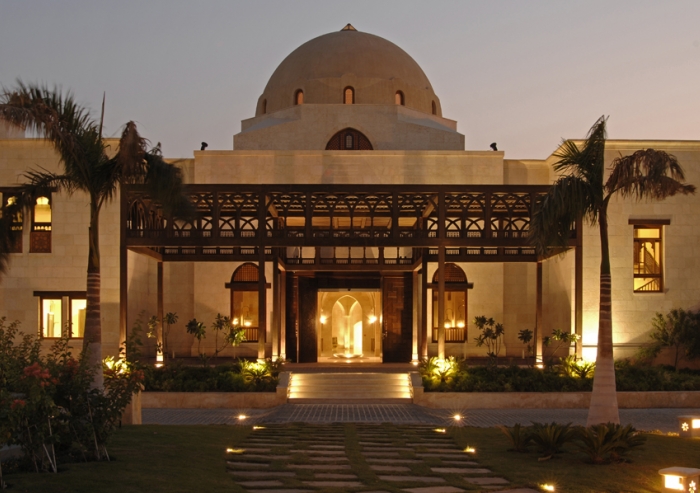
<point>222,378</point>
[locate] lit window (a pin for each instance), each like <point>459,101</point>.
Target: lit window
<point>455,322</point>
<point>349,95</point>
<point>299,97</point>
<point>399,99</point>
<point>62,314</point>
<point>40,235</point>
<point>648,258</point>
<point>244,300</point>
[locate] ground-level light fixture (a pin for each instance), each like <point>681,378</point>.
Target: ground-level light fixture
<point>470,450</point>
<point>681,479</point>
<point>258,427</point>
<point>234,450</point>
<point>547,487</point>
<point>241,417</point>
<point>689,426</point>
<point>457,417</point>
<point>440,430</point>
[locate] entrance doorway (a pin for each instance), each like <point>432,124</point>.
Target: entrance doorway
<point>349,326</point>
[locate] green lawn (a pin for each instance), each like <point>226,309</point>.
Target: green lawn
<point>173,459</point>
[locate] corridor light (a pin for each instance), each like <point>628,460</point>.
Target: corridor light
<point>689,426</point>
<point>460,325</point>
<point>323,319</point>
<point>372,319</point>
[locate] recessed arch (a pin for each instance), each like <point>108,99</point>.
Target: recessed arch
<point>264,106</point>
<point>349,139</point>
<point>244,299</point>
<point>247,272</point>
<point>349,95</point>
<point>453,273</point>
<point>299,97</point>
<point>399,98</point>
<point>434,108</point>
<point>455,302</point>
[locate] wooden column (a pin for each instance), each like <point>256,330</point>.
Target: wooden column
<point>441,302</point>
<point>275,309</point>
<point>424,308</point>
<point>416,318</point>
<point>262,304</point>
<point>159,311</point>
<point>578,288</point>
<point>123,272</point>
<point>283,315</point>
<point>538,315</point>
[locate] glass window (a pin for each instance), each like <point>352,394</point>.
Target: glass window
<point>299,97</point>
<point>17,222</point>
<point>78,310</point>
<point>349,95</point>
<point>51,317</point>
<point>244,313</point>
<point>398,99</point>
<point>648,259</point>
<point>62,314</point>
<point>455,316</point>
<point>40,235</point>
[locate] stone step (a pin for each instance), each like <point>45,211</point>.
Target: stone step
<point>338,388</point>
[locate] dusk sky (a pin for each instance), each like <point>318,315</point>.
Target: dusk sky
<point>523,74</point>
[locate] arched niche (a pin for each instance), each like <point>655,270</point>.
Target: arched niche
<point>456,304</point>
<point>244,288</point>
<point>349,139</point>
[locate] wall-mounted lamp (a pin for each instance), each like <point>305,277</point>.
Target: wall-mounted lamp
<point>689,426</point>
<point>323,319</point>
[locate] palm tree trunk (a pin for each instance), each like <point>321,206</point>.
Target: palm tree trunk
<point>92,342</point>
<point>603,406</point>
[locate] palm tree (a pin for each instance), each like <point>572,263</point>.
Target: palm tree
<point>88,167</point>
<point>583,192</point>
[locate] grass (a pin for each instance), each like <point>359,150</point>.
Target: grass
<point>173,459</point>
<point>569,471</point>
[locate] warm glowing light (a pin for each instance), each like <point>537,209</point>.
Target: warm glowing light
<point>247,323</point>
<point>42,201</point>
<point>323,319</point>
<point>685,427</point>
<point>234,450</point>
<point>159,365</point>
<point>672,482</point>
<point>696,424</point>
<point>448,325</point>
<point>159,357</point>
<point>372,319</point>
<point>539,365</point>
<point>241,417</point>
<point>548,487</point>
<point>258,427</point>
<point>457,417</point>
<point>234,321</point>
<point>470,450</point>
<point>440,430</point>
<point>414,363</point>
<point>460,325</point>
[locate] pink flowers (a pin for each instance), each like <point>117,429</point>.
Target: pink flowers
<point>17,403</point>
<point>36,371</point>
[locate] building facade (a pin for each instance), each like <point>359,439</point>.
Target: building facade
<point>348,223</point>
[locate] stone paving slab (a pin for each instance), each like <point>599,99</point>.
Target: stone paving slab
<point>260,484</point>
<point>518,490</point>
<point>293,490</point>
<point>333,484</point>
<point>247,464</point>
<point>394,461</point>
<point>459,470</point>
<point>329,459</point>
<point>257,474</point>
<point>333,475</point>
<point>319,467</point>
<point>413,479</point>
<point>390,468</point>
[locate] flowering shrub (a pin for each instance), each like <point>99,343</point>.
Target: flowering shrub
<point>47,405</point>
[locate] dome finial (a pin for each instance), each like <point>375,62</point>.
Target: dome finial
<point>348,27</point>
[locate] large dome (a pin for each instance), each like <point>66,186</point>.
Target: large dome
<point>374,68</point>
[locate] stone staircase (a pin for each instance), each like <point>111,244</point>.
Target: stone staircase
<point>350,388</point>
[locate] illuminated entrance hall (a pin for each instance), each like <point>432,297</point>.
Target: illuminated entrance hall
<point>350,326</point>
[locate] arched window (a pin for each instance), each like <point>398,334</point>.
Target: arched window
<point>264,106</point>
<point>434,108</point>
<point>349,96</point>
<point>349,139</point>
<point>40,235</point>
<point>455,321</point>
<point>244,299</point>
<point>299,97</point>
<point>399,99</point>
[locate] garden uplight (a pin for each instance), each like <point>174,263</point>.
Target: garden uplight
<point>241,417</point>
<point>681,479</point>
<point>234,450</point>
<point>470,450</point>
<point>547,487</point>
<point>440,430</point>
<point>457,417</point>
<point>258,427</point>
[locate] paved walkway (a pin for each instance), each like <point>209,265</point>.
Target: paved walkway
<point>664,420</point>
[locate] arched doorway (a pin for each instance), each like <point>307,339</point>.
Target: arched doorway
<point>456,303</point>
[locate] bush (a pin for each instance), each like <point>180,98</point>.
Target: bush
<point>519,436</point>
<point>550,438</point>
<point>608,442</point>
<point>47,405</point>
<point>237,377</point>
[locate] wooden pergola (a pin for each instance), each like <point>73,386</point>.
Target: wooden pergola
<point>295,226</point>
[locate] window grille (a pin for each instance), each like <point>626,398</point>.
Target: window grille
<point>648,258</point>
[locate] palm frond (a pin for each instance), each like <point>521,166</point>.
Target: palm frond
<point>131,165</point>
<point>555,215</point>
<point>647,174</point>
<point>40,182</point>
